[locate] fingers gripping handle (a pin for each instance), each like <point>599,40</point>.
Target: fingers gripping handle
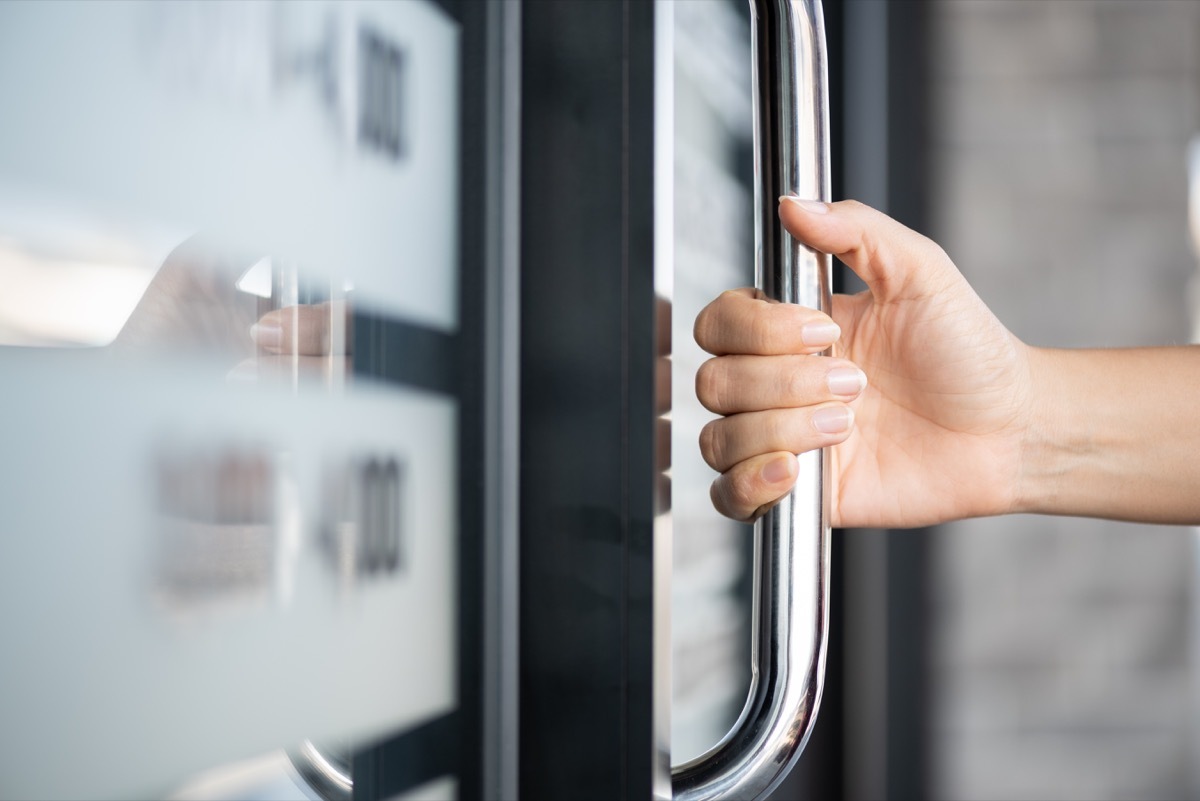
<point>791,545</point>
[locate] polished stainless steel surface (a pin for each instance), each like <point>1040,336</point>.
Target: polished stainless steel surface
<point>791,558</point>
<point>502,405</point>
<point>326,771</point>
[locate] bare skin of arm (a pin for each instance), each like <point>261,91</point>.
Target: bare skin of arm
<point>932,409</point>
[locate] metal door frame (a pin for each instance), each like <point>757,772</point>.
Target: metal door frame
<point>588,418</point>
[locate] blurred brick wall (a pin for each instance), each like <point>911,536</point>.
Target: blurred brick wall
<point>1061,659</point>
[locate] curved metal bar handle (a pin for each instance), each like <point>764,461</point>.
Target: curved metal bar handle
<point>791,546</point>
<point>327,774</point>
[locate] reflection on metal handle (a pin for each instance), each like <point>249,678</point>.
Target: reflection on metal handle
<point>325,771</point>
<point>791,547</point>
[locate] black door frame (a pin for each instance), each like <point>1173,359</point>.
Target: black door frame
<point>588,420</point>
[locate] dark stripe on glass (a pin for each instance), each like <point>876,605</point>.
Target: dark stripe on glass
<point>408,760</point>
<point>404,353</point>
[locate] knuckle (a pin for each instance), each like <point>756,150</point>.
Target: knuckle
<point>701,328</point>
<point>711,381</point>
<point>936,251</point>
<point>743,492</point>
<point>779,329</point>
<point>716,493</point>
<point>730,296</point>
<point>777,429</point>
<point>710,444</point>
<point>728,501</point>
<point>765,332</point>
<point>707,329</point>
<point>793,387</point>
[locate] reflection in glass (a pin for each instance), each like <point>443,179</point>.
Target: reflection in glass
<point>71,279</point>
<point>186,191</point>
<point>132,293</point>
<point>74,280</point>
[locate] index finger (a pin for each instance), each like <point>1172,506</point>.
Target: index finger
<point>743,321</point>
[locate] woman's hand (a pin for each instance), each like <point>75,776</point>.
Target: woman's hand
<point>925,401</point>
<point>310,341</point>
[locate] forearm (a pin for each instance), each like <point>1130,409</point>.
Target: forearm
<point>1114,434</point>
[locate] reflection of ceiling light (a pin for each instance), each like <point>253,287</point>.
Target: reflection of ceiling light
<point>257,280</point>
<point>1193,159</point>
<point>59,301</point>
<point>71,276</point>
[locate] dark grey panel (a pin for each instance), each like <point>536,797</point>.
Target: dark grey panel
<point>587,405</point>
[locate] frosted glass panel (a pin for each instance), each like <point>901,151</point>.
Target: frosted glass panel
<point>229,509</point>
<point>316,132</point>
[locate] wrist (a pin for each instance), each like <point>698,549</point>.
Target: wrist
<point>1053,438</point>
<point>1111,433</point>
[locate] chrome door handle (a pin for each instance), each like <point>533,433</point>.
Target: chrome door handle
<point>790,606</point>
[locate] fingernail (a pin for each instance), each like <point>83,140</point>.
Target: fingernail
<point>820,334</point>
<point>811,206</point>
<point>848,381</point>
<point>832,419</point>
<point>777,470</point>
<point>267,335</point>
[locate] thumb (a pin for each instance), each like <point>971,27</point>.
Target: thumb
<point>893,259</point>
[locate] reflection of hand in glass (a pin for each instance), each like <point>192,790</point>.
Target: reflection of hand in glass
<point>192,306</point>
<point>303,341</point>
<point>315,330</point>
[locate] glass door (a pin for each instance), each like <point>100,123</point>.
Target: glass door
<point>237,383</point>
